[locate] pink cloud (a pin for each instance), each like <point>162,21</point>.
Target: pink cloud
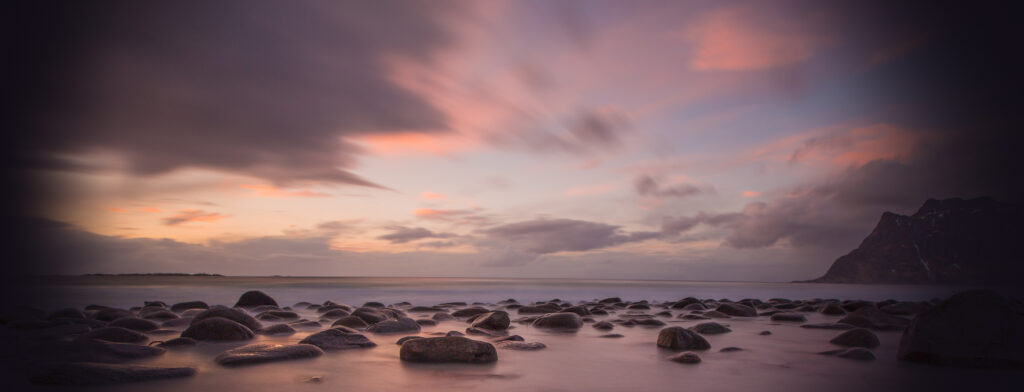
<point>271,191</point>
<point>751,194</point>
<point>428,195</point>
<point>590,190</point>
<point>118,210</point>
<point>744,38</point>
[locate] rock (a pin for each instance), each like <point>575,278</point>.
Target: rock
<point>135,324</point>
<point>217,328</point>
<point>833,309</point>
<point>95,351</point>
<point>370,315</point>
<point>277,329</point>
<point>266,352</point>
<point>235,315</point>
<point>373,304</point>
<point>84,373</point>
<point>680,338</point>
<point>426,322</point>
<point>789,317</point>
<point>542,309</point>
<point>603,326</point>
<point>469,312</point>
<point>970,329</point>
<point>735,309</point>
<point>513,338</point>
<point>177,342</point>
<point>115,334</point>
<point>111,314</point>
<point>904,308</point>
<point>564,321</point>
<point>765,333</point>
<point>67,313</point>
<point>441,316</point>
<point>276,315</point>
<point>406,339</point>
<point>828,326</point>
<point>611,335</point>
<point>855,353</point>
<point>685,357</point>
<point>522,346</point>
<point>351,321</point>
<point>610,300</point>
<point>859,337</point>
<point>402,325</point>
<point>253,299</point>
<point>694,317</point>
<point>710,328</point>
<point>161,315</point>
<point>448,349</point>
<point>730,349</point>
<point>650,323</point>
<point>580,310</point>
<point>686,302</point>
<point>338,339</point>
<point>305,324</point>
<point>871,317</point>
<point>454,333</point>
<point>183,306</point>
<point>496,321</point>
<point>716,314</point>
<point>176,323</point>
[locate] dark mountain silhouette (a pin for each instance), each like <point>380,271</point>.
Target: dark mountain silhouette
<point>951,241</point>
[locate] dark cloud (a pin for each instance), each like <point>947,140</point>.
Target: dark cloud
<point>186,216</point>
<point>589,131</point>
<point>543,236</point>
<point>402,234</point>
<point>262,88</point>
<point>646,185</point>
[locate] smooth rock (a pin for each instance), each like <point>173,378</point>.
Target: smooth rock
<point>235,315</point>
<point>496,321</point>
<point>563,321</point>
<point>710,328</point>
<point>217,328</point>
<point>855,353</point>
<point>859,337</point>
<point>735,309</point>
<point>688,357</point>
<point>338,339</point>
<point>266,352</point>
<point>448,349</point>
<point>680,338</point>
<point>135,324</point>
<point>401,325</point>
<point>115,334</point>
<point>254,298</point>
<point>85,373</point>
<point>521,346</point>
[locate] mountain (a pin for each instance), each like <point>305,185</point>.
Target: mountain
<point>951,241</point>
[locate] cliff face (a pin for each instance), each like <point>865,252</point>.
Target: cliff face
<point>952,241</point>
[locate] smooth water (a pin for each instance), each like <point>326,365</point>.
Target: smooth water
<point>785,360</point>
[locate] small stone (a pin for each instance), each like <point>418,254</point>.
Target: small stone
<point>687,357</point>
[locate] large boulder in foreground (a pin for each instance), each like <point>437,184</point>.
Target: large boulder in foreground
<point>448,349</point>
<point>496,321</point>
<point>339,338</point>
<point>254,298</point>
<point>266,352</point>
<point>970,329</point>
<point>680,338</point>
<point>218,328</point>
<point>86,373</point>
<point>235,315</point>
<point>563,321</point>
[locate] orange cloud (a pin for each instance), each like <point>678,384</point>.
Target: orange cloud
<point>186,216</point>
<point>430,213</point>
<point>741,38</point>
<point>428,195</point>
<point>150,209</point>
<point>751,193</point>
<point>275,192</point>
<point>118,210</point>
<point>415,142</point>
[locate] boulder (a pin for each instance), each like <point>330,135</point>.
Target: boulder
<point>401,325</point>
<point>716,314</point>
<point>685,357</point>
<point>611,335</point>
<point>235,315</point>
<point>350,321</point>
<point>977,328</point>
<point>335,314</point>
<point>541,309</point>
<point>858,337</point>
<point>870,317</point>
<point>370,315</point>
<point>448,349</point>
<point>680,338</point>
<point>406,339</point>
<point>160,315</point>
<point>135,324</point>
<point>496,321</point>
<point>735,309</point>
<point>338,339</point>
<point>441,316</point>
<point>469,312</point>
<point>563,321</point>
<point>115,334</point>
<point>111,314</point>
<point>183,306</point>
<point>253,299</point>
<point>277,329</point>
<point>521,346</point>
<point>579,309</point>
<point>85,373</point>
<point>603,326</point>
<point>266,352</point>
<point>837,326</point>
<point>277,315</point>
<point>177,342</point>
<point>426,322</point>
<point>710,328</point>
<point>789,317</point>
<point>217,328</point>
<point>833,309</point>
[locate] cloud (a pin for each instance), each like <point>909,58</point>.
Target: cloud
<point>586,132</point>
<point>751,194</point>
<point>402,234</point>
<point>230,92</point>
<point>543,236</point>
<point>440,214</point>
<point>189,215</point>
<point>746,38</point>
<point>271,191</point>
<point>428,195</point>
<point>646,185</point>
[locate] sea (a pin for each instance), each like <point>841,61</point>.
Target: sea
<point>785,359</point>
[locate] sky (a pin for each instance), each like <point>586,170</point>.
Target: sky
<point>692,140</point>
